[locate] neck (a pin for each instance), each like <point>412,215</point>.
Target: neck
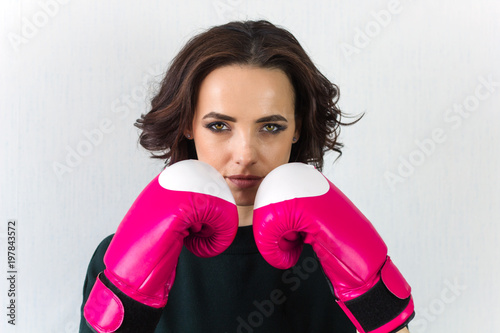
<point>245,215</point>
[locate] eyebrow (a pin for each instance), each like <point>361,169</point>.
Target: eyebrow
<point>220,116</point>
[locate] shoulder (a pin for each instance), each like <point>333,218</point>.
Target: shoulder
<point>96,264</point>
<point>103,246</point>
<point>101,249</point>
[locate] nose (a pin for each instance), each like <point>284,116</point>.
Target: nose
<point>245,149</point>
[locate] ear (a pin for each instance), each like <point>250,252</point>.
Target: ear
<point>188,134</point>
<point>298,126</point>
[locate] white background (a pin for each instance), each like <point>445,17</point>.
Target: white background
<point>78,67</point>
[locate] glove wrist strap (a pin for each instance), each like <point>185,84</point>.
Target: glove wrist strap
<point>108,309</point>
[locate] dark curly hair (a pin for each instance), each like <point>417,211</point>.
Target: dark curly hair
<point>254,43</point>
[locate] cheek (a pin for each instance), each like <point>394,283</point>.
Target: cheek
<point>210,151</point>
<point>204,149</point>
<point>277,152</point>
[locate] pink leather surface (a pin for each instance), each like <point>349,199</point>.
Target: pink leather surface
<point>346,243</point>
<point>143,254</point>
<point>351,252</point>
<point>394,280</point>
<point>103,310</point>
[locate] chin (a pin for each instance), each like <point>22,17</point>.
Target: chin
<point>244,201</point>
<point>244,198</point>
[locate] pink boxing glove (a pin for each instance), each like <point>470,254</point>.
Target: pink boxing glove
<point>296,204</point>
<point>188,203</point>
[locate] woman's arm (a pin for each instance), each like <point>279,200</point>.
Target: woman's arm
<point>296,204</point>
<point>96,266</point>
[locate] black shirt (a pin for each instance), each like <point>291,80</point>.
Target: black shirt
<point>238,291</point>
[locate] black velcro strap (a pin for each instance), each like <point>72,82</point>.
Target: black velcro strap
<point>138,317</point>
<point>377,307</point>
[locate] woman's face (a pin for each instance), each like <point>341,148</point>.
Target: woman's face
<point>244,125</point>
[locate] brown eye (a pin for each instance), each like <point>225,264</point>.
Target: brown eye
<point>273,128</point>
<point>217,127</point>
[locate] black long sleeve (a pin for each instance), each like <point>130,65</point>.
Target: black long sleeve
<point>238,291</point>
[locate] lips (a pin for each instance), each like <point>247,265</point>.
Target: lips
<point>245,181</point>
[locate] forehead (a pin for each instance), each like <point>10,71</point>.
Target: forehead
<point>243,89</point>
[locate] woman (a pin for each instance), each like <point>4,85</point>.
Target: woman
<point>245,98</point>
